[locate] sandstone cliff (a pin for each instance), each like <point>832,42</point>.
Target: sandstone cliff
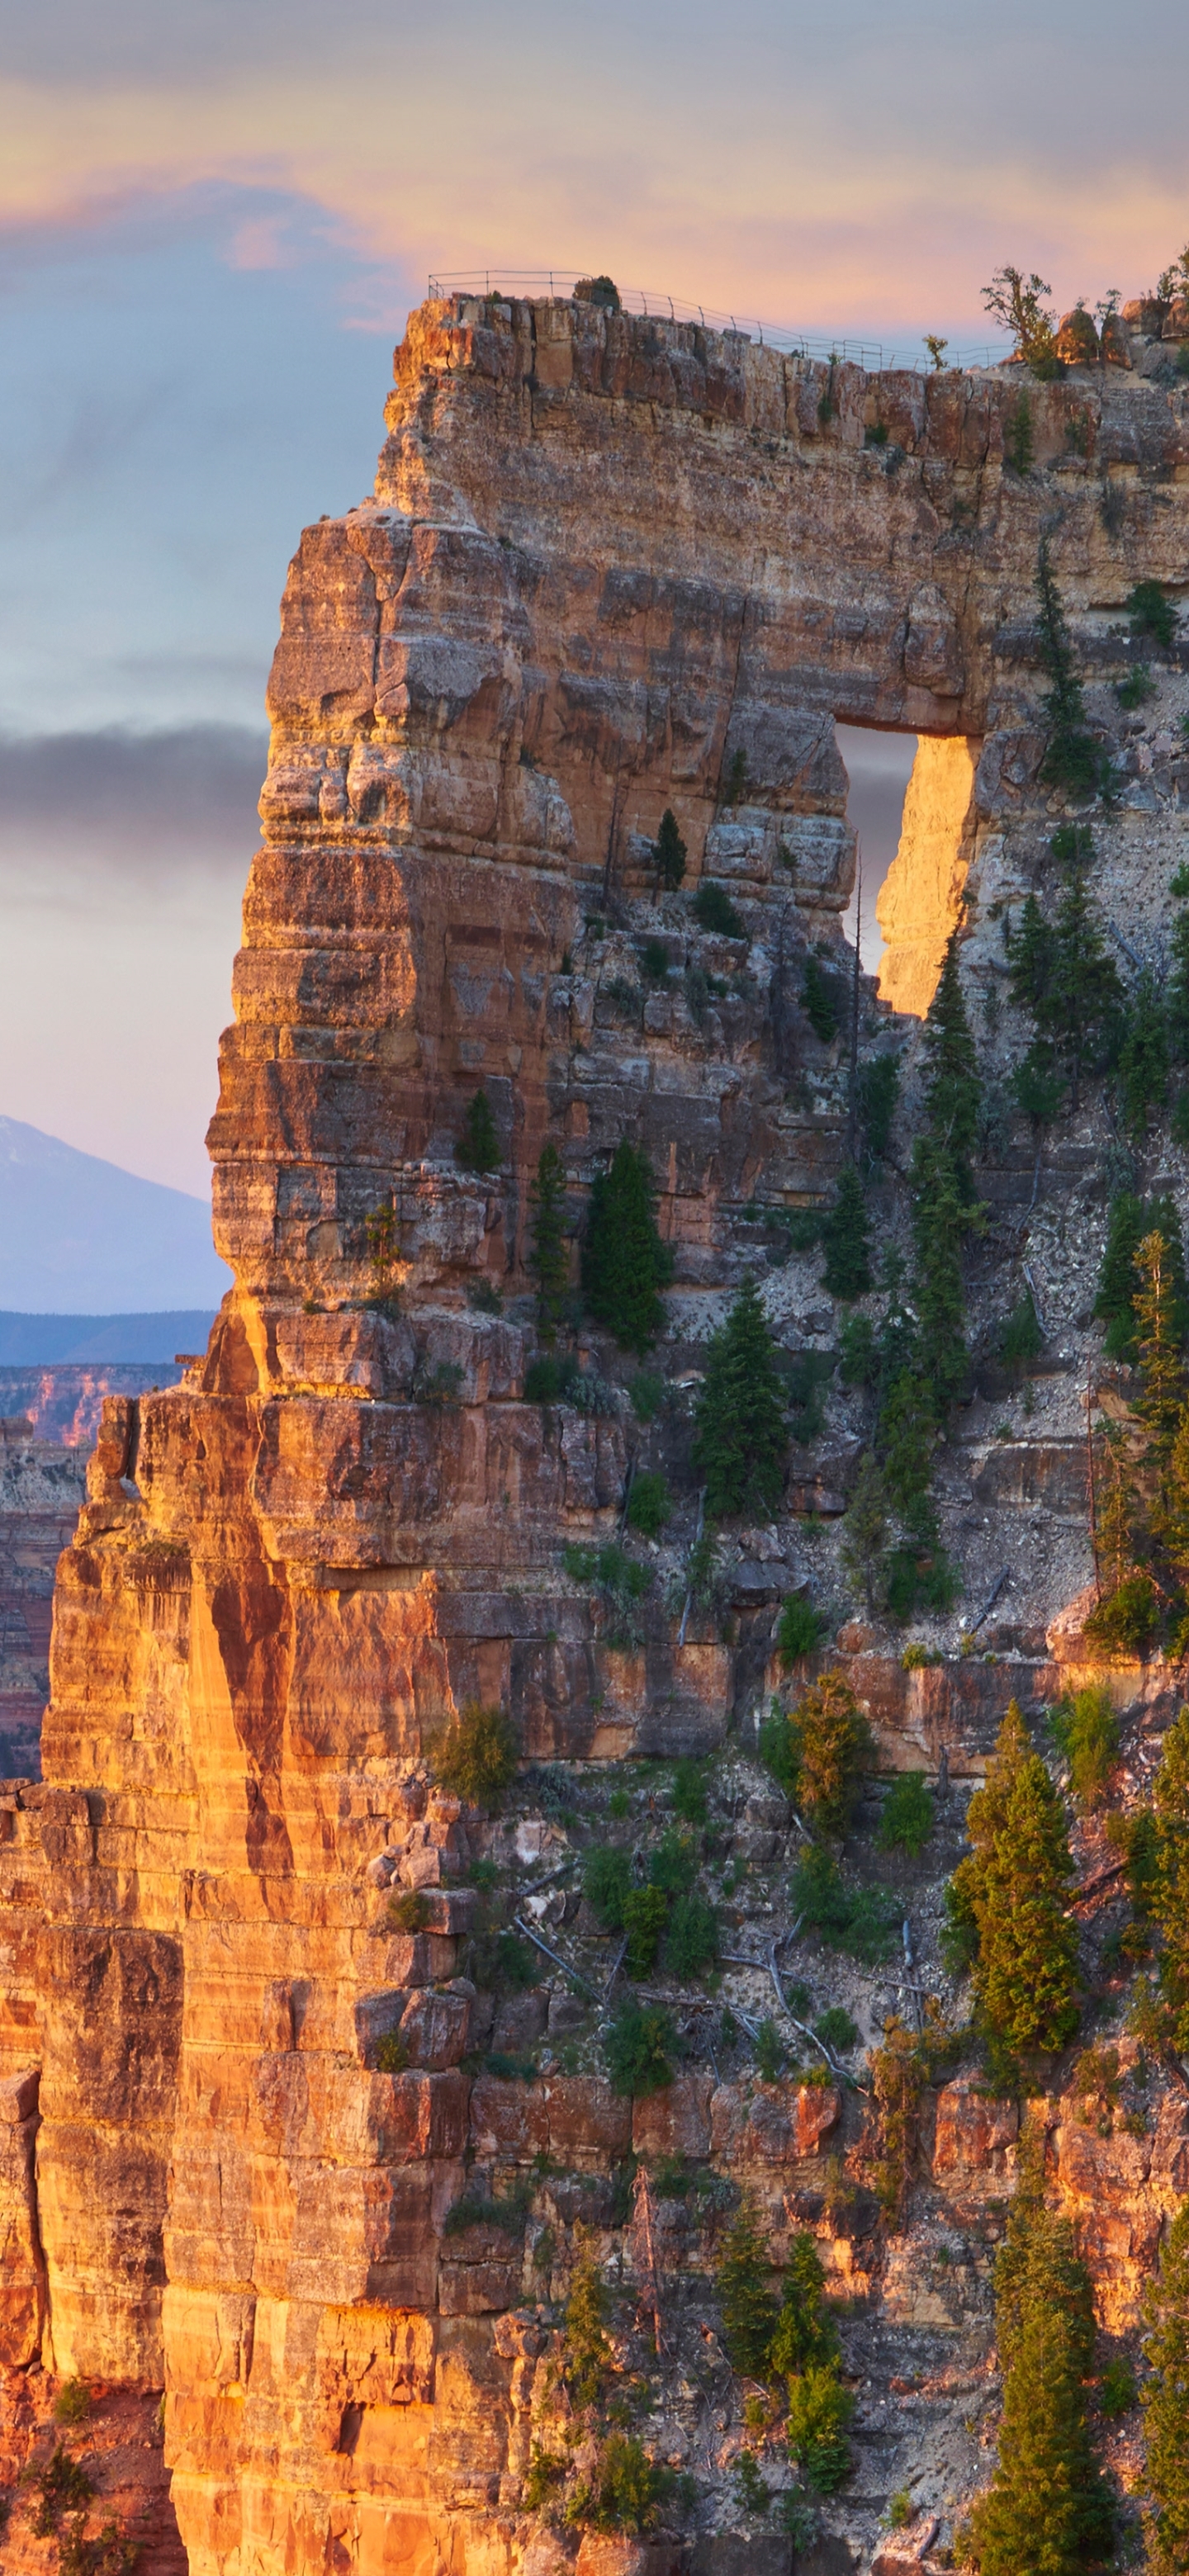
<point>610,566</point>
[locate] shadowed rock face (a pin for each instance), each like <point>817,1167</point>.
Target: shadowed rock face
<point>610,566</point>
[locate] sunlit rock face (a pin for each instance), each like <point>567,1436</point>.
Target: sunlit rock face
<point>610,567</point>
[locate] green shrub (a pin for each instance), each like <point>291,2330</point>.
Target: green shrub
<point>863,1922</point>
<point>646,1394</point>
<point>1086,1731</point>
<point>820,2412</point>
<point>755,2495</point>
<point>836,2028</point>
<point>626,2490</point>
<point>769,2050</point>
<point>674,1862</point>
<point>907,1819</point>
<point>484,1298</point>
<point>1151,613</point>
<point>392,2055</point>
<point>1138,687</point>
<point>778,1749</point>
<point>477,1758</point>
<point>714,910</point>
<point>478,1147</point>
<point>410,1911</point>
<point>654,961</point>
<point>689,1791</point>
<point>606,1883</point>
<point>1020,1337</point>
<point>72,2405</point>
<point>691,1939</point>
<point>1018,444</point>
<point>641,2046</point>
<point>645,1913</point>
<point>473,2210</point>
<point>1126,1621</point>
<point>624,1262</point>
<point>799,1630</point>
<point>63,2487</point>
<point>649,1504</point>
<point>1166,2403</point>
<point>900,2512</point>
<point>621,1582</point>
<point>819,995</point>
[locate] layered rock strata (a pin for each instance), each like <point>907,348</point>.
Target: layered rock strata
<point>610,567</point>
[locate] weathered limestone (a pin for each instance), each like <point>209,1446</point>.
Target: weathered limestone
<point>610,566</point>
<point>920,901</point>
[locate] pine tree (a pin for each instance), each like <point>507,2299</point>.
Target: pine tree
<point>1143,1058</point>
<point>1130,1219</point>
<point>1032,957</point>
<point>740,1436</point>
<point>952,1089</point>
<point>478,1147</point>
<point>906,1436</point>
<point>624,1262</point>
<point>1165,2401</point>
<point>1012,1887</point>
<point>742,2280</point>
<point>865,1530</point>
<point>804,2334</point>
<point>848,1252</point>
<point>1177,994</point>
<point>1170,1893</point>
<point>1073,759</point>
<point>1083,1011</point>
<point>549,1259</point>
<point>943,1214</point>
<point>668,851</point>
<point>1047,2511</point>
<point>1162,1374</point>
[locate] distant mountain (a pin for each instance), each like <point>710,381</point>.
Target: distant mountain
<point>79,1237</point>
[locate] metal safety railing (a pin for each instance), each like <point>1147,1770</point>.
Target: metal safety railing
<point>535,284</point>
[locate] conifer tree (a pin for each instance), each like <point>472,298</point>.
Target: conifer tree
<point>1047,2511</point>
<point>952,1088</point>
<point>804,2335</point>
<point>1177,994</point>
<point>478,1147</point>
<point>1143,1058</point>
<point>1031,954</point>
<point>1131,1218</point>
<point>1073,759</point>
<point>865,1530</point>
<point>668,851</point>
<point>741,1436</point>
<point>906,1436</point>
<point>848,1252</point>
<point>549,1260</point>
<point>1162,1374</point>
<point>943,1214</point>
<point>1165,2401</point>
<point>1169,1900</point>
<point>1012,1889</point>
<point>1083,1011</point>
<point>624,1262</point>
<point>742,2280</point>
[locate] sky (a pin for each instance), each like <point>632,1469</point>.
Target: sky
<point>213,221</point>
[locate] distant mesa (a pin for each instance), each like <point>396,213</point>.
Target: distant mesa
<point>146,1341</point>
<point>89,1244</point>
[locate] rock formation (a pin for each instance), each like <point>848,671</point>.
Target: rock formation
<point>610,567</point>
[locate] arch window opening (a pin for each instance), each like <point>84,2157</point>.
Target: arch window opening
<point>910,801</point>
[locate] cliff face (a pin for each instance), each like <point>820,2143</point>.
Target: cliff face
<point>610,566</point>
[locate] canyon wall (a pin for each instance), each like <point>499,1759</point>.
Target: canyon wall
<point>610,566</point>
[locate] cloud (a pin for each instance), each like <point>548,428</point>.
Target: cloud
<point>142,808</point>
<point>841,169</point>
